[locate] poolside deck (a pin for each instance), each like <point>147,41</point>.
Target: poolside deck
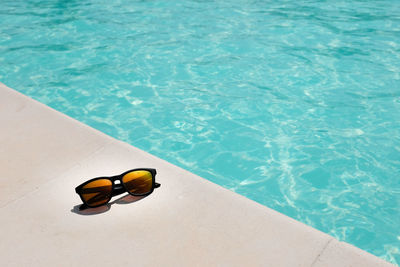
<point>188,221</point>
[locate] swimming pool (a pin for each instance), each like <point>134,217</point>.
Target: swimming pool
<point>296,106</point>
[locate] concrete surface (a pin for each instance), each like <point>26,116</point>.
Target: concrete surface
<point>188,221</point>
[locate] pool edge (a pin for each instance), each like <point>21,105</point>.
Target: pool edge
<point>328,251</point>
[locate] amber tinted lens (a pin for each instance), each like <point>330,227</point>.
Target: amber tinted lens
<point>97,192</point>
<point>138,182</point>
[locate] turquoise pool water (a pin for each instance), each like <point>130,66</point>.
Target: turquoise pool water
<point>294,105</point>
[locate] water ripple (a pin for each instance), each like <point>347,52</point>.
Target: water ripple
<point>293,104</point>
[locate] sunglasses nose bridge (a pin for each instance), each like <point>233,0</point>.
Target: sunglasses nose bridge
<point>118,189</point>
<point>117,185</point>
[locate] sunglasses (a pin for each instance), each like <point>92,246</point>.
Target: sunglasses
<point>99,191</point>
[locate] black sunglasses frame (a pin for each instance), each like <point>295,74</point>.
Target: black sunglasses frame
<point>120,188</point>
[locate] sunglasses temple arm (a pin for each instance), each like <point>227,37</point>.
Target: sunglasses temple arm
<point>83,206</point>
<point>157,185</point>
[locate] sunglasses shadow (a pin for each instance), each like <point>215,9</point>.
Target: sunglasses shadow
<point>127,199</point>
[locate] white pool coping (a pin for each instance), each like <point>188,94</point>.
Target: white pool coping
<point>188,221</point>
